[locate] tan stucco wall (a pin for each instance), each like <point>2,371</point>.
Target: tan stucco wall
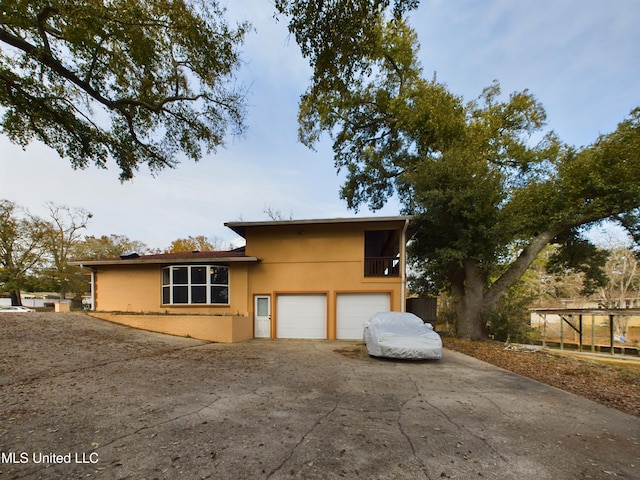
<point>138,288</point>
<point>316,258</point>
<point>214,328</point>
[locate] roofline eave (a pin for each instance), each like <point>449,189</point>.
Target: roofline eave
<point>240,227</point>
<point>163,261</point>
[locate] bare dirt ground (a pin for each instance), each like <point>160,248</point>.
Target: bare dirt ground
<point>614,384</point>
<point>83,398</point>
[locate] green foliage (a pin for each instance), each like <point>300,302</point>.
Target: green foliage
<point>631,222</point>
<point>510,320</point>
<point>579,255</point>
<point>339,37</point>
<point>107,246</point>
<point>487,186</point>
<point>462,190</point>
<point>198,243</point>
<point>546,287</point>
<point>34,252</point>
<point>140,82</point>
<point>446,324</point>
<point>21,248</point>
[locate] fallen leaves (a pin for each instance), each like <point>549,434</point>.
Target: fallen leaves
<point>610,385</point>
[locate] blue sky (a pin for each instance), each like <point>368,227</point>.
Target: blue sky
<point>580,58</point>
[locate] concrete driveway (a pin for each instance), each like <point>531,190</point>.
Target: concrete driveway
<point>81,398</point>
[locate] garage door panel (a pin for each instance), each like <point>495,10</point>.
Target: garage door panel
<point>354,309</point>
<point>301,316</point>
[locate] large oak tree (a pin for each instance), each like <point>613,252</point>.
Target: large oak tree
<point>139,82</point>
<point>489,188</point>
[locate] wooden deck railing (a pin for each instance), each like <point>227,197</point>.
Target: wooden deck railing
<point>381,267</point>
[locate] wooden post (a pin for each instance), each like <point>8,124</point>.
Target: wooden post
<point>580,320</point>
<point>611,332</point>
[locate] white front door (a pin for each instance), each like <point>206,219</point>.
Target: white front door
<point>262,322</point>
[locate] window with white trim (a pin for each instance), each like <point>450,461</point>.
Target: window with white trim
<point>195,285</point>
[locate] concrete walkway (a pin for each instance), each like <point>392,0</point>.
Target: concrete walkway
<point>81,398</point>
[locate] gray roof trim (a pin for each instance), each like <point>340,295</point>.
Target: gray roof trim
<point>240,227</point>
<point>162,261</point>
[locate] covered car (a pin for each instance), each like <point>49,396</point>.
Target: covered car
<point>401,335</point>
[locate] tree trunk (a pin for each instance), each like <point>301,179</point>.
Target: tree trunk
<point>471,325</point>
<point>468,297</point>
<point>16,299</point>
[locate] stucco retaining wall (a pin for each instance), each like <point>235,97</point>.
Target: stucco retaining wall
<point>214,328</point>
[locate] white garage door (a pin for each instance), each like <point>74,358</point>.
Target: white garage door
<point>354,309</point>
<point>301,316</point>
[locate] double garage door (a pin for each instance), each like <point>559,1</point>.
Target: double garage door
<point>305,315</point>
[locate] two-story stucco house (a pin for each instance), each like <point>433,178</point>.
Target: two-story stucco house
<point>318,279</point>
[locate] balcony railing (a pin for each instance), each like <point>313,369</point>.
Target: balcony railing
<point>381,267</point>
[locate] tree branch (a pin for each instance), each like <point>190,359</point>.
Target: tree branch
<point>48,60</point>
<point>519,266</point>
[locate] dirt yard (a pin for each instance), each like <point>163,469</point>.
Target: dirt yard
<point>84,398</point>
<point>614,384</point>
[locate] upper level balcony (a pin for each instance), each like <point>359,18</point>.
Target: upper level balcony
<point>382,267</point>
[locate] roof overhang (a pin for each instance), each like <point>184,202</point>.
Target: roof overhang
<point>162,261</point>
<point>241,227</point>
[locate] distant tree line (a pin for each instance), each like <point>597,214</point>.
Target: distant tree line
<point>34,251</point>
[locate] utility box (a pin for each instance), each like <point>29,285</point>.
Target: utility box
<point>62,306</point>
